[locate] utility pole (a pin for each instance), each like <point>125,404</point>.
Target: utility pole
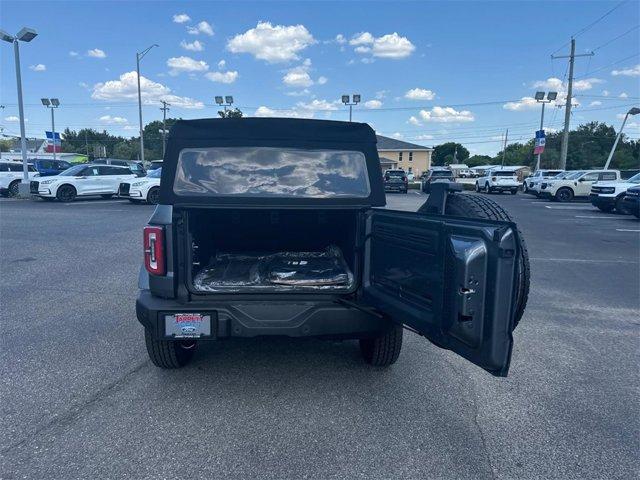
<point>567,112</point>
<point>504,149</point>
<point>86,143</point>
<point>139,56</point>
<point>165,108</point>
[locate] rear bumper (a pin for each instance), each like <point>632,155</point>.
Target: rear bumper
<point>598,201</point>
<point>396,188</point>
<point>258,318</point>
<point>504,188</point>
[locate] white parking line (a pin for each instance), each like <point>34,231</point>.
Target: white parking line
<point>576,260</point>
<point>627,230</point>
<point>570,207</point>
<point>598,216</point>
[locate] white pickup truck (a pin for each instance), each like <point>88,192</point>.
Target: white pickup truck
<point>577,185</point>
<point>530,184</point>
<point>608,196</point>
<point>501,179</point>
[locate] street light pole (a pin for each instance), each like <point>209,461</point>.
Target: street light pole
<point>551,96</point>
<point>26,35</point>
<point>356,99</point>
<point>633,111</point>
<point>139,56</point>
<point>165,107</point>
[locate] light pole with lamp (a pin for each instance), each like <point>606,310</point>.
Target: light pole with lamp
<point>24,35</point>
<point>140,56</point>
<point>356,100</point>
<point>52,103</point>
<point>633,111</point>
<point>225,102</point>
<point>551,96</point>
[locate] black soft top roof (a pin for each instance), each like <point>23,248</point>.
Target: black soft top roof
<point>271,132</point>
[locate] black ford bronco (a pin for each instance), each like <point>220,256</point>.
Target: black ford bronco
<point>269,226</point>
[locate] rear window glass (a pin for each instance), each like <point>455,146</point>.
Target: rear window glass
<point>503,174</point>
<point>441,173</point>
<point>269,172</point>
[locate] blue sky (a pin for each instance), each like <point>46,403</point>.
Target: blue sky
<point>428,72</point>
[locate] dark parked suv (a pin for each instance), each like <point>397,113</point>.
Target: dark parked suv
<point>396,181</point>
<point>271,227</point>
<point>434,175</point>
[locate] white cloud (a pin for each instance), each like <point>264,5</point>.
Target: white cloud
<point>381,94</point>
<point>605,93</point>
<point>420,94</point>
<point>109,120</point>
<point>424,136</point>
<point>316,104</point>
<point>301,110</point>
<point>397,135</point>
<point>586,84</point>
<point>13,118</point>
<point>38,68</point>
<point>595,103</point>
<point>83,84</point>
<point>414,121</point>
<point>373,104</point>
<point>129,127</point>
<point>268,112</point>
<point>390,45</point>
<point>274,44</point>
<point>340,39</point>
<point>222,64</point>
<point>553,84</point>
<point>96,53</point>
<point>525,103</point>
<point>623,95</point>
<point>202,27</point>
<point>222,77</point>
<point>195,46</point>
<point>186,64</point>
<point>126,89</point>
<point>446,115</point>
<point>627,72</point>
<point>299,77</point>
<point>73,53</point>
<point>181,18</point>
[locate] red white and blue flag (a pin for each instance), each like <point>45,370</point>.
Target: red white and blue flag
<point>53,143</point>
<point>540,142</point>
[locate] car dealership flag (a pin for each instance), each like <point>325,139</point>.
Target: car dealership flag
<point>540,141</point>
<point>53,142</point>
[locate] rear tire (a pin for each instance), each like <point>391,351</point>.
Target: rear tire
<point>620,208</point>
<point>477,187</point>
<point>168,354</point>
<point>475,206</point>
<point>66,193</point>
<point>14,188</point>
<point>565,194</point>
<point>487,188</point>
<point>605,208</point>
<point>384,350</point>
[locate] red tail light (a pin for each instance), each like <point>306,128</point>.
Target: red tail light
<point>154,253</point>
<point>404,179</point>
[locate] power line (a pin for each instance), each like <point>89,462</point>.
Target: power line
<point>616,38</point>
<point>610,64</point>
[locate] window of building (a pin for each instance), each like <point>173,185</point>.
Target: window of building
<point>400,156</point>
<point>411,156</point>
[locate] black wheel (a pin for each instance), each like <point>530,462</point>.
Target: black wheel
<point>605,208</point>
<point>66,193</point>
<point>154,195</point>
<point>477,187</point>
<point>383,350</point>
<point>565,194</point>
<point>514,191</point>
<point>14,188</point>
<point>525,188</point>
<point>475,206</point>
<point>620,208</point>
<point>167,353</point>
<point>107,196</point>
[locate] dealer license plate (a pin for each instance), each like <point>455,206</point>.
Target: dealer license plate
<point>187,325</point>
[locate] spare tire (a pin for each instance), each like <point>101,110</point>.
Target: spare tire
<point>476,206</point>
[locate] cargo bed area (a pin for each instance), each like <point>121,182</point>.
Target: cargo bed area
<point>273,250</point>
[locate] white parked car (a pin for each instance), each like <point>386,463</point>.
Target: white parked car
<point>577,185</point>
<point>529,184</point>
<point>501,179</point>
<point>11,175</point>
<point>608,196</point>
<point>82,180</point>
<point>145,189</point>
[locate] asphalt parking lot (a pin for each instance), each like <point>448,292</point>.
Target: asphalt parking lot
<point>80,399</point>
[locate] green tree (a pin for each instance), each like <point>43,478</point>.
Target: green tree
<point>235,113</point>
<point>443,154</point>
<point>477,160</point>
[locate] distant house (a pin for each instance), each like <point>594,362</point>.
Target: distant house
<point>410,157</point>
<point>456,167</point>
